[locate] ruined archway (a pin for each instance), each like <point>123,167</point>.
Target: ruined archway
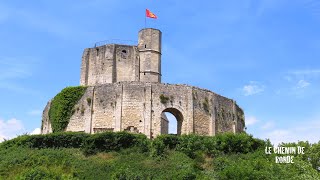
<point>165,122</point>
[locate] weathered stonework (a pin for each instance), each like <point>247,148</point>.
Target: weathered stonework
<point>125,94</point>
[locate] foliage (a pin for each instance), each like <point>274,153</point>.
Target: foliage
<point>123,155</point>
<point>39,173</point>
<point>311,152</point>
<point>164,99</point>
<point>25,163</point>
<point>237,143</point>
<point>53,140</point>
<point>313,155</point>
<point>61,108</point>
<point>110,141</point>
<point>220,144</point>
<point>258,165</point>
<point>164,142</point>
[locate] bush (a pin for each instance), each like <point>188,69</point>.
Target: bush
<point>236,156</point>
<point>237,143</point>
<point>311,152</point>
<point>61,108</point>
<point>191,144</point>
<point>163,142</point>
<point>39,174</point>
<point>258,165</point>
<point>53,140</point>
<point>110,141</point>
<point>226,143</point>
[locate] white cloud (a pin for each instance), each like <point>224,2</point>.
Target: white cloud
<point>278,136</point>
<point>10,128</point>
<point>293,135</point>
<point>288,78</point>
<point>12,68</point>
<point>252,88</point>
<point>267,125</point>
<point>302,84</point>
<point>36,131</point>
<point>306,130</point>
<point>35,112</point>
<point>306,72</point>
<point>250,120</point>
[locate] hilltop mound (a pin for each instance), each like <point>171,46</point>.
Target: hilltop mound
<point>134,156</point>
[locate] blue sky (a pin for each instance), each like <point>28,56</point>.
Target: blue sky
<point>262,53</point>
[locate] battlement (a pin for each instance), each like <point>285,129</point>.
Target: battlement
<point>115,41</point>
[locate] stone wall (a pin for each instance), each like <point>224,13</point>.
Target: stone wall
<point>81,118</point>
<point>108,64</point>
<point>117,63</point>
<point>45,123</point>
<point>224,114</point>
<point>174,99</point>
<point>164,124</point>
<point>138,107</point>
<point>203,114</point>
<point>150,55</point>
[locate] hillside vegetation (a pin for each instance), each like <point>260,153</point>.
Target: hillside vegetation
<point>62,107</point>
<point>133,156</point>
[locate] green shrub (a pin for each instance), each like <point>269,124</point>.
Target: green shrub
<point>40,173</point>
<point>110,141</point>
<point>124,174</point>
<point>237,143</point>
<point>224,156</point>
<point>191,144</point>
<point>313,154</point>
<point>258,165</point>
<point>163,142</point>
<point>62,106</point>
<point>225,143</point>
<point>53,140</point>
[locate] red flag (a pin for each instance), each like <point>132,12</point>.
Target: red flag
<point>150,14</point>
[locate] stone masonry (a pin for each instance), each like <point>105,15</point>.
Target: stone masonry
<point>124,85</point>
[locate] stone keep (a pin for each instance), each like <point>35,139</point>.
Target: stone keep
<point>124,83</point>
<point>119,63</point>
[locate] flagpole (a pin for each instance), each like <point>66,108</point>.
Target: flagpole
<point>145,21</point>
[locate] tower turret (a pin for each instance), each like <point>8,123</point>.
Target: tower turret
<point>149,46</point>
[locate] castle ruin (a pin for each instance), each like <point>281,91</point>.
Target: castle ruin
<point>124,84</point>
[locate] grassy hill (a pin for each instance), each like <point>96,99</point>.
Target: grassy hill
<point>131,156</point>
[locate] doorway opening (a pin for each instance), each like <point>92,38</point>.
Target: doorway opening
<point>171,121</point>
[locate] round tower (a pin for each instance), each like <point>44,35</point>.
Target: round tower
<point>149,45</point>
